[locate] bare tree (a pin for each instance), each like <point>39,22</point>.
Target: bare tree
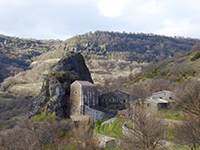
<point>30,136</point>
<point>188,132</point>
<point>147,132</point>
<point>187,97</point>
<point>139,93</point>
<point>188,100</point>
<point>82,132</point>
<point>159,85</point>
<point>109,85</point>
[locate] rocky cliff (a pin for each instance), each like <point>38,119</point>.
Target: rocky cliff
<point>55,92</point>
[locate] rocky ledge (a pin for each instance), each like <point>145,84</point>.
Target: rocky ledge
<point>55,92</point>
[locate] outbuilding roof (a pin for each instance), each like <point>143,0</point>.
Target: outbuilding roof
<point>84,83</point>
<point>157,101</point>
<point>80,117</point>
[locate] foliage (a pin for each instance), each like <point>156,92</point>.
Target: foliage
<point>115,148</point>
<point>129,46</point>
<point>44,116</point>
<point>12,111</point>
<point>168,72</point>
<point>97,45</point>
<point>173,115</point>
<point>45,135</point>
<point>180,147</point>
<point>15,53</point>
<point>197,56</point>
<point>103,50</point>
<point>62,76</point>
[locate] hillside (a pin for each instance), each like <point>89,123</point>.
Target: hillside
<point>170,72</point>
<point>128,46</point>
<point>16,53</point>
<point>123,46</point>
<point>25,62</point>
<point>115,61</point>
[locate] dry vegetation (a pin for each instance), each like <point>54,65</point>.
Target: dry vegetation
<point>110,70</point>
<point>45,135</point>
<point>28,83</point>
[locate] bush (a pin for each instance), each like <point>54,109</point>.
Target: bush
<point>197,56</point>
<point>12,111</point>
<point>44,116</point>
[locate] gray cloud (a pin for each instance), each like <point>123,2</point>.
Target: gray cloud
<point>61,19</point>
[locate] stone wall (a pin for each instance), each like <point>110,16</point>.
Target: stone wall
<point>126,131</point>
<point>117,96</point>
<point>90,95</point>
<point>75,97</point>
<point>96,114</point>
<point>124,113</point>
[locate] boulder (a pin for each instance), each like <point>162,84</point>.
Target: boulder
<point>55,92</point>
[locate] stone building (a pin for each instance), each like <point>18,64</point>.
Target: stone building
<point>156,104</point>
<point>115,100</point>
<point>166,95</point>
<point>160,101</point>
<point>82,94</point>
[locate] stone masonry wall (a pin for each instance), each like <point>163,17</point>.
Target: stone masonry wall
<point>75,96</point>
<point>96,114</point>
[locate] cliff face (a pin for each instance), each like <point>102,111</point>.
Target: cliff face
<point>55,92</point>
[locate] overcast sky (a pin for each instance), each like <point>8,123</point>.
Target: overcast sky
<point>61,19</point>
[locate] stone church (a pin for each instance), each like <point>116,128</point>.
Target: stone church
<point>85,101</point>
<point>82,94</point>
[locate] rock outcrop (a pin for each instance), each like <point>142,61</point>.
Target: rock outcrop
<point>55,92</point>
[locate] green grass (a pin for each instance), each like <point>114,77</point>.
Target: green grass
<point>113,130</point>
<point>129,124</point>
<point>5,99</point>
<point>99,124</point>
<point>170,115</point>
<point>182,147</point>
<point>114,148</point>
<point>102,127</point>
<point>171,134</point>
<point>52,147</point>
<point>17,117</point>
<point>196,56</point>
<point>44,116</point>
<point>116,128</point>
<point>70,148</point>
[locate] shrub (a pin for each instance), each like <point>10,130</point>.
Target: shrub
<point>197,56</point>
<point>44,116</point>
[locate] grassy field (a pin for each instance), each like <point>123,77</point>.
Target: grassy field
<point>30,89</point>
<point>170,114</point>
<point>182,147</point>
<point>113,130</point>
<point>5,99</point>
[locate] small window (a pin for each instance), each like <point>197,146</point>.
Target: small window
<point>111,99</point>
<point>75,92</point>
